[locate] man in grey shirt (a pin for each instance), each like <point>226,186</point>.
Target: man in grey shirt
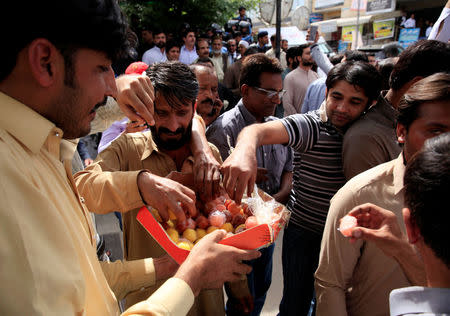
<point>372,140</point>
<point>262,74</point>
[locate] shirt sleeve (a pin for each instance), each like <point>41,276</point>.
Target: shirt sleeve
<point>127,276</point>
<point>104,186</point>
<point>338,258</point>
<point>321,59</point>
<point>307,101</point>
<point>303,131</point>
<point>364,149</point>
<point>174,297</point>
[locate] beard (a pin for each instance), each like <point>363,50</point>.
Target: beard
<point>307,63</point>
<point>160,44</point>
<point>171,144</point>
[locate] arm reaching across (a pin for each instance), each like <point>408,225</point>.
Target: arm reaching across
<point>381,227</point>
<point>240,168</point>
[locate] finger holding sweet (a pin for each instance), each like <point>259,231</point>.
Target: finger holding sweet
<point>378,225</point>
<point>135,97</point>
<point>165,194</point>
<point>239,172</point>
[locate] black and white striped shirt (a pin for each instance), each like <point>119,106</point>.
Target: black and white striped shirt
<point>318,171</point>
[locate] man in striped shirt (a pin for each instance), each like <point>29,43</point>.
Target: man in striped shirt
<point>316,138</point>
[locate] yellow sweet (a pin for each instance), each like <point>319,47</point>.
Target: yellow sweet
<point>185,244</point>
<point>190,234</point>
<point>172,215</point>
<point>228,227</point>
<point>210,229</point>
<point>156,215</point>
<point>173,234</point>
<point>200,233</point>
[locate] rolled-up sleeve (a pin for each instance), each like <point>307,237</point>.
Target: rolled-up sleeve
<point>104,187</point>
<point>174,297</point>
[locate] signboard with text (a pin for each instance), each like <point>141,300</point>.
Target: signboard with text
<point>347,32</point>
<point>377,6</point>
<point>383,29</point>
<point>408,36</point>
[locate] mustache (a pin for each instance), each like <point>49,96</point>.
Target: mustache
<point>100,104</point>
<point>163,130</point>
<point>208,101</point>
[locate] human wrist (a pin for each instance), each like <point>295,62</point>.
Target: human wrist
<point>144,179</point>
<point>190,273</point>
<point>165,267</point>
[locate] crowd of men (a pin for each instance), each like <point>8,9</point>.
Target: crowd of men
<point>318,134</point>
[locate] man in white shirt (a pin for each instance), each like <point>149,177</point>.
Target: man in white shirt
<point>188,53</point>
<point>410,23</point>
<point>297,81</point>
<point>157,54</point>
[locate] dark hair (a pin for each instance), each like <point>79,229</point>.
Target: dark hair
<point>69,25</point>
<point>385,67</point>
<point>253,66</point>
<point>355,55</point>
<point>359,74</point>
<point>157,31</point>
<point>175,81</point>
<point>187,31</point>
<point>427,180</point>
<point>422,58</point>
<point>273,37</point>
<point>251,50</point>
<point>434,88</point>
<point>336,59</point>
<point>198,41</point>
<point>172,43</point>
<point>301,48</point>
<point>204,61</point>
<point>291,53</point>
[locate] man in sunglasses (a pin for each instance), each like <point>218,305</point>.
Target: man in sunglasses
<point>261,89</point>
<point>316,138</point>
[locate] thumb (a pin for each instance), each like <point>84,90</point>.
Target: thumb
<point>217,235</point>
<point>363,233</point>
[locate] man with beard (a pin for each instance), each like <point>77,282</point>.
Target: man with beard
<point>219,59</point>
<point>157,54</point>
<point>274,161</point>
<point>297,81</point>
<point>209,104</point>
<point>163,149</point>
<point>316,139</point>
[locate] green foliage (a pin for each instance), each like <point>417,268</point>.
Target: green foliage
<point>171,14</point>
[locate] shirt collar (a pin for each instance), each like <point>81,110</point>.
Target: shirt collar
<point>248,117</point>
<point>323,112</point>
<point>399,172</point>
<point>150,146</point>
<point>28,126</point>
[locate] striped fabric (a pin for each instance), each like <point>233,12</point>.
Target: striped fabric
<point>318,172</point>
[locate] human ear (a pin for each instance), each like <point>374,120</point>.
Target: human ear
<point>401,133</point>
<point>244,89</point>
<point>411,227</point>
<point>42,61</point>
